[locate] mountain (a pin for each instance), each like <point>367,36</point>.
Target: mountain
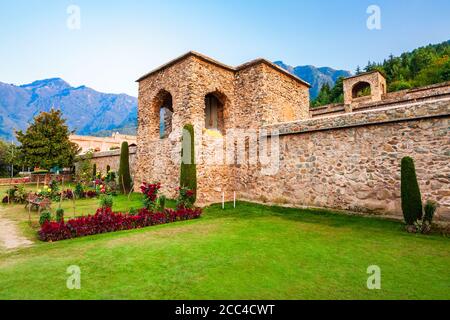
<point>316,77</point>
<point>87,111</point>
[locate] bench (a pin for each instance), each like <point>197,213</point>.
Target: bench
<point>39,203</point>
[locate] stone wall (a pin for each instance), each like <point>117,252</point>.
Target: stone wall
<point>339,156</point>
<point>352,161</point>
<point>112,158</point>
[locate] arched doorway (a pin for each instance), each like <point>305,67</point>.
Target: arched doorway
<point>214,111</point>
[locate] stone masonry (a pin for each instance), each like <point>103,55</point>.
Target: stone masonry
<point>340,156</point>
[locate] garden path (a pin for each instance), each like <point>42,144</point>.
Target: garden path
<point>10,237</point>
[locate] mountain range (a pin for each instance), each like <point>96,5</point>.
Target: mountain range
<point>89,112</point>
<point>316,77</point>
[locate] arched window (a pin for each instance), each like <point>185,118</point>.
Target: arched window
<point>214,112</point>
<point>361,89</point>
<point>165,109</point>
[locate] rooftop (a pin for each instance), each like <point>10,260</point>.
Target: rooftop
<point>223,66</point>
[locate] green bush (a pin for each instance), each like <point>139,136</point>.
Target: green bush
<point>124,169</point>
<point>94,171</point>
<point>108,168</point>
<point>161,203</point>
<point>430,209</point>
<point>46,216</point>
<point>188,172</point>
<point>106,201</point>
<point>410,192</point>
<point>60,215</point>
<point>79,191</point>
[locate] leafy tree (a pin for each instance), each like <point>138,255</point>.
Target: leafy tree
<point>410,192</point>
<point>84,170</point>
<point>188,172</point>
<point>10,155</point>
<point>420,67</point>
<point>124,169</point>
<point>46,142</point>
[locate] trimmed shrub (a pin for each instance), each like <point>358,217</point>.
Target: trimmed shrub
<point>106,201</point>
<point>60,215</point>
<point>46,216</point>
<point>94,171</point>
<point>410,192</point>
<point>108,168</point>
<point>124,169</point>
<point>161,203</point>
<point>430,209</point>
<point>188,172</point>
<point>79,191</point>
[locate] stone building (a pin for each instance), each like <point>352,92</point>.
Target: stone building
<point>102,144</point>
<point>343,156</point>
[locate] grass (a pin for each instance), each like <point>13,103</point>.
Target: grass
<point>251,252</point>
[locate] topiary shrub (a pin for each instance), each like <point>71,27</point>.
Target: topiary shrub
<point>46,216</point>
<point>410,192</point>
<point>94,171</point>
<point>188,172</point>
<point>106,201</point>
<point>60,215</point>
<point>124,169</point>
<point>430,209</point>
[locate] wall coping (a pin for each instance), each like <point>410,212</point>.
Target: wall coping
<point>110,153</point>
<point>413,111</point>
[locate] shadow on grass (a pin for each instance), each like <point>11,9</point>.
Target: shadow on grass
<point>336,219</point>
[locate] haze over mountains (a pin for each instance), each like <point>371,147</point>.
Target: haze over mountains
<point>90,112</point>
<point>87,111</point>
<point>316,77</point>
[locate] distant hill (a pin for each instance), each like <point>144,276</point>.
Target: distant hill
<point>90,112</point>
<point>87,111</point>
<point>316,77</point>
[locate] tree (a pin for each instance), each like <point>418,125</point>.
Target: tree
<point>188,172</point>
<point>84,170</point>
<point>410,192</point>
<point>10,159</point>
<point>124,169</point>
<point>46,142</point>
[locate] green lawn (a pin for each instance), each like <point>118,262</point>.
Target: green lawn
<point>251,252</point>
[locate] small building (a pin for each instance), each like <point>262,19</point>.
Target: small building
<point>102,144</point>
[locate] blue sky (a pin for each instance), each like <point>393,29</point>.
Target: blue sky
<point>121,40</point>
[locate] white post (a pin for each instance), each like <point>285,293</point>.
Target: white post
<point>234,199</point>
<point>223,200</point>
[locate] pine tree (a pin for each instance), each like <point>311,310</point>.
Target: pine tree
<point>188,172</point>
<point>124,169</point>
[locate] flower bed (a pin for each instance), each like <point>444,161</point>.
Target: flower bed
<point>105,221</point>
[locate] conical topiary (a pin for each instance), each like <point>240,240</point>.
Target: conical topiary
<point>188,172</point>
<point>410,192</point>
<point>124,169</point>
